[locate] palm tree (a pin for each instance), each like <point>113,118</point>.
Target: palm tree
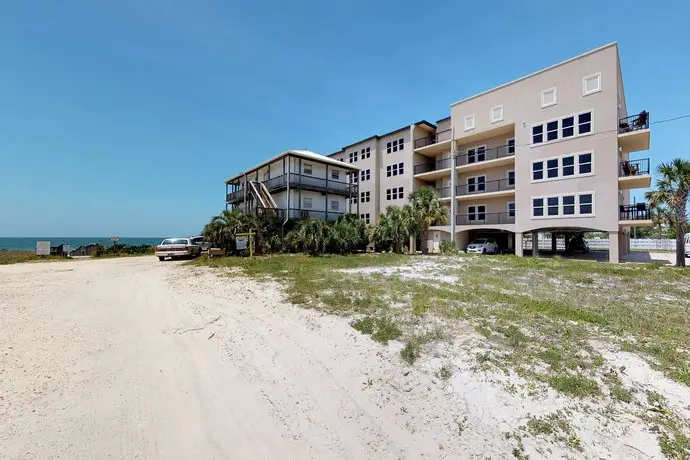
<point>672,189</point>
<point>393,228</point>
<point>312,236</point>
<point>221,230</point>
<point>427,210</point>
<point>349,234</point>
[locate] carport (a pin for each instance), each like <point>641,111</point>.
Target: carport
<point>555,241</point>
<point>504,238</point>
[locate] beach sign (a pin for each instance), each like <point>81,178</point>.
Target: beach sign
<point>241,243</point>
<point>42,248</point>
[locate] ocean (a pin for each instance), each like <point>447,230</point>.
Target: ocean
<point>29,244</point>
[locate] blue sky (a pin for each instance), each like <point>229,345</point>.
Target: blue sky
<point>125,117</point>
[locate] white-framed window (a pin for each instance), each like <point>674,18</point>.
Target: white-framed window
<point>401,168</point>
<point>563,128</point>
<point>476,212</point>
<point>364,174</point>
<point>394,146</point>
<point>365,153</point>
<point>365,197</point>
<point>510,144</point>
<point>510,176</point>
<point>306,169</point>
<point>511,209</point>
<point>565,205</point>
<point>476,154</point>
<point>335,174</point>
<point>591,84</point>
<point>496,113</point>
<point>395,193</point>
<point>365,217</point>
<point>548,97</point>
<point>353,200</point>
<point>306,202</point>
<point>353,157</point>
<point>335,205</point>
<point>476,184</point>
<point>469,122</point>
<point>563,167</point>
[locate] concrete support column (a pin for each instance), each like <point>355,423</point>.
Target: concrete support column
<point>518,244</point>
<point>413,245</point>
<point>535,244</point>
<point>614,248</point>
<point>554,243</point>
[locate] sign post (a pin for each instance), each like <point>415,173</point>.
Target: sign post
<point>42,248</point>
<point>244,239</point>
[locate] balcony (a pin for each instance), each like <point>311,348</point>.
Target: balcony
<point>485,158</point>
<point>491,188</point>
<point>305,182</point>
<point>434,144</point>
<point>433,169</point>
<point>487,218</point>
<point>635,215</point>
<point>634,174</point>
<point>330,216</point>
<point>633,132</point>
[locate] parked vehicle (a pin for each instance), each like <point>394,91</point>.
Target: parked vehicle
<point>483,246</point>
<point>177,248</point>
<point>199,241</point>
<point>687,245</point>
<point>577,244</point>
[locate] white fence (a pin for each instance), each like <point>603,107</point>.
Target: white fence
<point>646,244</point>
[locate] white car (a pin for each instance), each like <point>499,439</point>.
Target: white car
<point>177,247</point>
<point>687,245</point>
<point>483,246</point>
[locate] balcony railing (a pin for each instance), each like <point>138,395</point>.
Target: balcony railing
<point>485,218</point>
<point>273,212</point>
<point>440,136</point>
<point>303,181</point>
<point>634,122</point>
<point>443,192</point>
<point>296,214</point>
<point>485,187</point>
<point>639,211</point>
<point>634,168</point>
<point>433,166</point>
<point>479,155</point>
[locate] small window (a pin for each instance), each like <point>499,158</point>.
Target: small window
<point>568,166</point>
<point>511,177</point>
<point>401,168</point>
<point>367,151</point>
<point>335,175</point>
<point>351,155</point>
<point>476,212</point>
<point>591,84</point>
<point>584,123</point>
<point>552,168</point>
<point>586,203</point>
<point>469,122</point>
<point>511,145</point>
<point>538,170</point>
<point>511,209</point>
<point>537,134</point>
<point>367,196</point>
<point>401,193</point>
<point>335,205</point>
<point>538,207</point>
<point>306,168</point>
<point>388,171</point>
<point>552,205</point>
<point>567,127</point>
<point>361,196</point>
<point>306,203</point>
<point>569,205</point>
<point>548,97</point>
<point>552,130</point>
<point>401,144</point>
<point>365,217</point>
<point>389,147</point>
<point>584,161</point>
<point>388,194</point>
<point>395,146</point>
<point>496,113</point>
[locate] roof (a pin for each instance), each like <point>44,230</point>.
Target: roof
<point>379,136</point>
<point>537,72</point>
<point>305,154</point>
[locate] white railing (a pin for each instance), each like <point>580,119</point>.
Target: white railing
<point>641,244</point>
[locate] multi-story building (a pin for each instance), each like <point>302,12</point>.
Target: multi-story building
<point>294,185</point>
<point>550,152</point>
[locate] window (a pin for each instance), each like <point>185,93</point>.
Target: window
<point>552,206</point>
<point>538,170</point>
<point>476,154</point>
<point>401,144</point>
<point>353,200</point>
<point>584,161</point>
<point>389,171</point>
<point>569,205</point>
<point>400,193</point>
<point>342,160</point>
<point>476,184</point>
<point>568,164</point>
<point>567,127</point>
<point>335,175</point>
<point>365,153</point>
<point>537,134</point>
<point>365,217</point>
<point>584,123</point>
<point>395,193</point>
<point>396,145</point>
<point>552,168</point>
<point>352,157</point>
<point>365,197</point>
<point>552,130</point>
<point>511,177</point>
<point>475,213</point>
<point>591,84</point>
<point>469,122</point>
<point>511,209</point>
<point>511,145</point>
<point>496,113</point>
<point>586,205</point>
<point>395,169</point>
<point>401,168</point>
<point>306,202</point>
<point>365,174</point>
<point>306,168</point>
<point>548,97</point>
<point>335,205</point>
<point>388,194</point>
<point>538,207</point>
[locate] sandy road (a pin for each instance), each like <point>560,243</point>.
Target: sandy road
<point>133,358</point>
